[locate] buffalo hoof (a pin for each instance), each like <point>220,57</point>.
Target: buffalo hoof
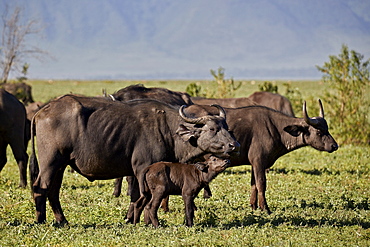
<point>61,223</point>
<point>129,221</point>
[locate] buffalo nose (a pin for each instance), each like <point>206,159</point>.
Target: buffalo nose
<point>235,146</point>
<point>334,147</point>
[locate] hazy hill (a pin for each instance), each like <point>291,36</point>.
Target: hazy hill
<point>185,39</point>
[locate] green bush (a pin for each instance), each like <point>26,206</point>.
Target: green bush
<point>268,86</point>
<point>224,88</point>
<point>194,90</point>
<point>348,78</point>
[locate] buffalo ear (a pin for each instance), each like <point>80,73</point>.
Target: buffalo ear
<point>200,166</point>
<point>186,133</point>
<point>294,130</point>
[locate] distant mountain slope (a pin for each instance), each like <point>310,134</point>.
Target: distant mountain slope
<point>185,39</point>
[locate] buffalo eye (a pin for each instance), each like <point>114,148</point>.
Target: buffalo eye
<point>319,133</point>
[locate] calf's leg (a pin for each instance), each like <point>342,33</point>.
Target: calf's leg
<point>164,204</point>
<point>189,209</point>
<point>152,209</point>
<point>139,206</point>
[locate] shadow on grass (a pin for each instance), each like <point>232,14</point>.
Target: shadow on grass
<point>238,172</point>
<point>292,221</point>
<point>315,171</point>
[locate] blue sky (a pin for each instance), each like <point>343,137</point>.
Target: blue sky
<point>166,39</point>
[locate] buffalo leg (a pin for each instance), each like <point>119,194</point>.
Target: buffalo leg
<point>49,168</point>
<point>164,204</point>
<point>3,159</point>
<point>147,218</point>
<point>22,165</point>
<point>139,206</point>
<point>17,145</point>
<point>189,209</point>
<point>53,196</point>
<point>117,187</point>
<point>153,207</point>
<point>207,193</point>
<point>260,178</point>
<point>253,198</point>
<point>134,195</point>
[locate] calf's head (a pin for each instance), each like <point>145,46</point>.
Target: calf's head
<point>315,131</point>
<point>209,133</point>
<point>213,165</point>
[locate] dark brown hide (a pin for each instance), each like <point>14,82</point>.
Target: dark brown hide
<point>161,94</point>
<point>165,178</point>
<point>273,101</point>
<point>13,132</point>
<point>226,102</point>
<point>104,139</point>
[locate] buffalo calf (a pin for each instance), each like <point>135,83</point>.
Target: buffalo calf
<point>166,178</point>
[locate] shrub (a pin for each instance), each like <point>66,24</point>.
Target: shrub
<point>268,86</point>
<point>224,88</point>
<point>348,77</point>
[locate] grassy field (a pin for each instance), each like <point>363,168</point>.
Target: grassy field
<point>317,199</point>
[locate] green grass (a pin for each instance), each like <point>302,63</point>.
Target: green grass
<point>317,199</point>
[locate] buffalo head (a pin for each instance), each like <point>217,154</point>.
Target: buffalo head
<point>315,132</point>
<point>209,133</point>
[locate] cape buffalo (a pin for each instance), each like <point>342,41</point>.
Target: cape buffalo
<point>164,95</point>
<point>272,100</point>
<point>265,135</point>
<point>139,91</point>
<point>104,139</point>
<point>166,178</point>
<point>13,128</point>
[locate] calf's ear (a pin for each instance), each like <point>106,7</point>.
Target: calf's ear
<point>294,130</point>
<point>200,166</point>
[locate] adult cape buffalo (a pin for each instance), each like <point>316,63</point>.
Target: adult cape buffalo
<point>13,132</point>
<point>164,95</point>
<point>139,91</point>
<point>266,134</point>
<point>104,139</point>
<point>272,100</point>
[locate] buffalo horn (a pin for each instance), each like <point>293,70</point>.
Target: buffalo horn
<point>222,111</point>
<point>321,109</point>
<point>188,119</point>
<point>306,118</point>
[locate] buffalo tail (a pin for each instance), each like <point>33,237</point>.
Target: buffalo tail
<point>34,165</point>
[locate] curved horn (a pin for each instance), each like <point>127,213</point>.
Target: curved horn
<point>306,118</point>
<point>188,119</point>
<point>222,112</point>
<point>321,109</point>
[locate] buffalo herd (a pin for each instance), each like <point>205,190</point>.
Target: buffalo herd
<point>164,142</point>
